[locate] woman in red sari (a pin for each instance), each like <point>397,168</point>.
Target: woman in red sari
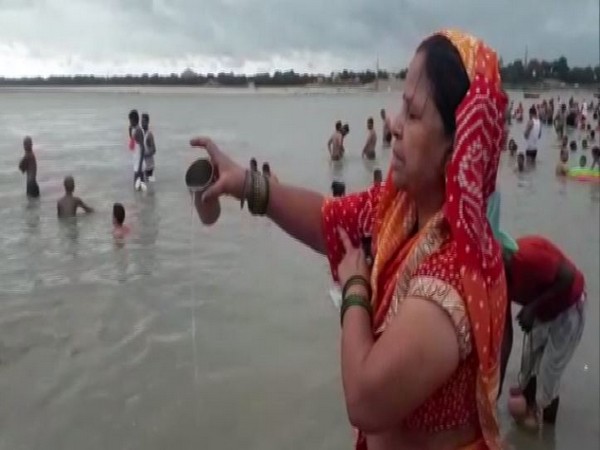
<point>422,325</point>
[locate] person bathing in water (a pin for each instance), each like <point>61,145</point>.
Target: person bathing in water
<point>369,148</point>
<point>562,168</point>
<point>345,132</point>
<point>67,206</point>
<point>120,230</point>
<point>28,166</point>
<point>136,146</point>
<point>335,145</point>
<point>387,133</point>
<point>533,132</point>
<point>551,291</point>
<point>149,147</point>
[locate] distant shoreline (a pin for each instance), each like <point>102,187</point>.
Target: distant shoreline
<point>314,89</point>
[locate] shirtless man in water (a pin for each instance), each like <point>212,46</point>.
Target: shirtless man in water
<point>369,148</point>
<point>387,127</point>
<point>28,166</point>
<point>67,206</point>
<point>335,145</point>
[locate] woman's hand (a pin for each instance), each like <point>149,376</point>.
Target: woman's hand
<point>353,262</point>
<point>230,175</point>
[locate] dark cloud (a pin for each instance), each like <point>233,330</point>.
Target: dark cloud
<point>163,35</point>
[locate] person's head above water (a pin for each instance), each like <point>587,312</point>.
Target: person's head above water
<point>382,113</point>
<point>436,83</point>
<point>533,112</point>
<point>338,188</point>
<point>69,184</point>
<point>370,123</point>
<point>253,165</point>
<point>145,121</point>
<point>377,176</point>
<point>573,146</point>
<point>338,125</point>
<point>582,161</point>
<point>118,214</point>
<point>134,118</point>
<point>27,144</point>
<point>266,169</point>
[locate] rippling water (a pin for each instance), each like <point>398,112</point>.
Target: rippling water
<point>96,346</point>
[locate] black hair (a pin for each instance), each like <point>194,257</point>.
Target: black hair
<point>266,168</point>
<point>533,111</point>
<point>146,116</point>
<point>253,163</point>
<point>134,116</point>
<point>338,125</point>
<point>119,213</point>
<point>377,175</point>
<point>338,188</point>
<point>448,78</point>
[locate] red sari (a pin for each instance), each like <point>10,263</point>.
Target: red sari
<point>453,260</point>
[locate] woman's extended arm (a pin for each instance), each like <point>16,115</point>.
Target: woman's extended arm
<point>295,210</point>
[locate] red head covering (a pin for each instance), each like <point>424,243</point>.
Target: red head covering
<point>470,179</point>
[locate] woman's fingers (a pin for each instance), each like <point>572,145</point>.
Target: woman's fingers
<point>208,144</point>
<point>214,191</point>
<point>346,242</point>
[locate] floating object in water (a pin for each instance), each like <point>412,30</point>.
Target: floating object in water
<point>198,178</point>
<point>585,174</point>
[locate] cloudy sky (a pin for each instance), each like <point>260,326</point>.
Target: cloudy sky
<point>42,37</point>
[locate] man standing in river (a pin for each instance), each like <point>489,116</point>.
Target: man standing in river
<point>369,148</point>
<point>335,145</point>
<point>28,165</point>
<point>149,147</point>
<point>136,146</point>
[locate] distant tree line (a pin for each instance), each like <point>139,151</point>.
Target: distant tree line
<point>514,73</point>
<point>538,70</point>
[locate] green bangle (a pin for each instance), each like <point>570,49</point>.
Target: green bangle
<point>354,280</point>
<point>355,300</point>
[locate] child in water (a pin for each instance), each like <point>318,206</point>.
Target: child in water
<point>67,206</point>
<point>573,146</point>
<point>120,230</point>
<point>562,168</point>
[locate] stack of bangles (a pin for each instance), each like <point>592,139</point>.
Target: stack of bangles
<point>349,300</point>
<point>255,193</point>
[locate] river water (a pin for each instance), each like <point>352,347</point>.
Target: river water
<point>97,345</point>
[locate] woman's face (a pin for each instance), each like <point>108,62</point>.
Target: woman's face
<point>421,147</point>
